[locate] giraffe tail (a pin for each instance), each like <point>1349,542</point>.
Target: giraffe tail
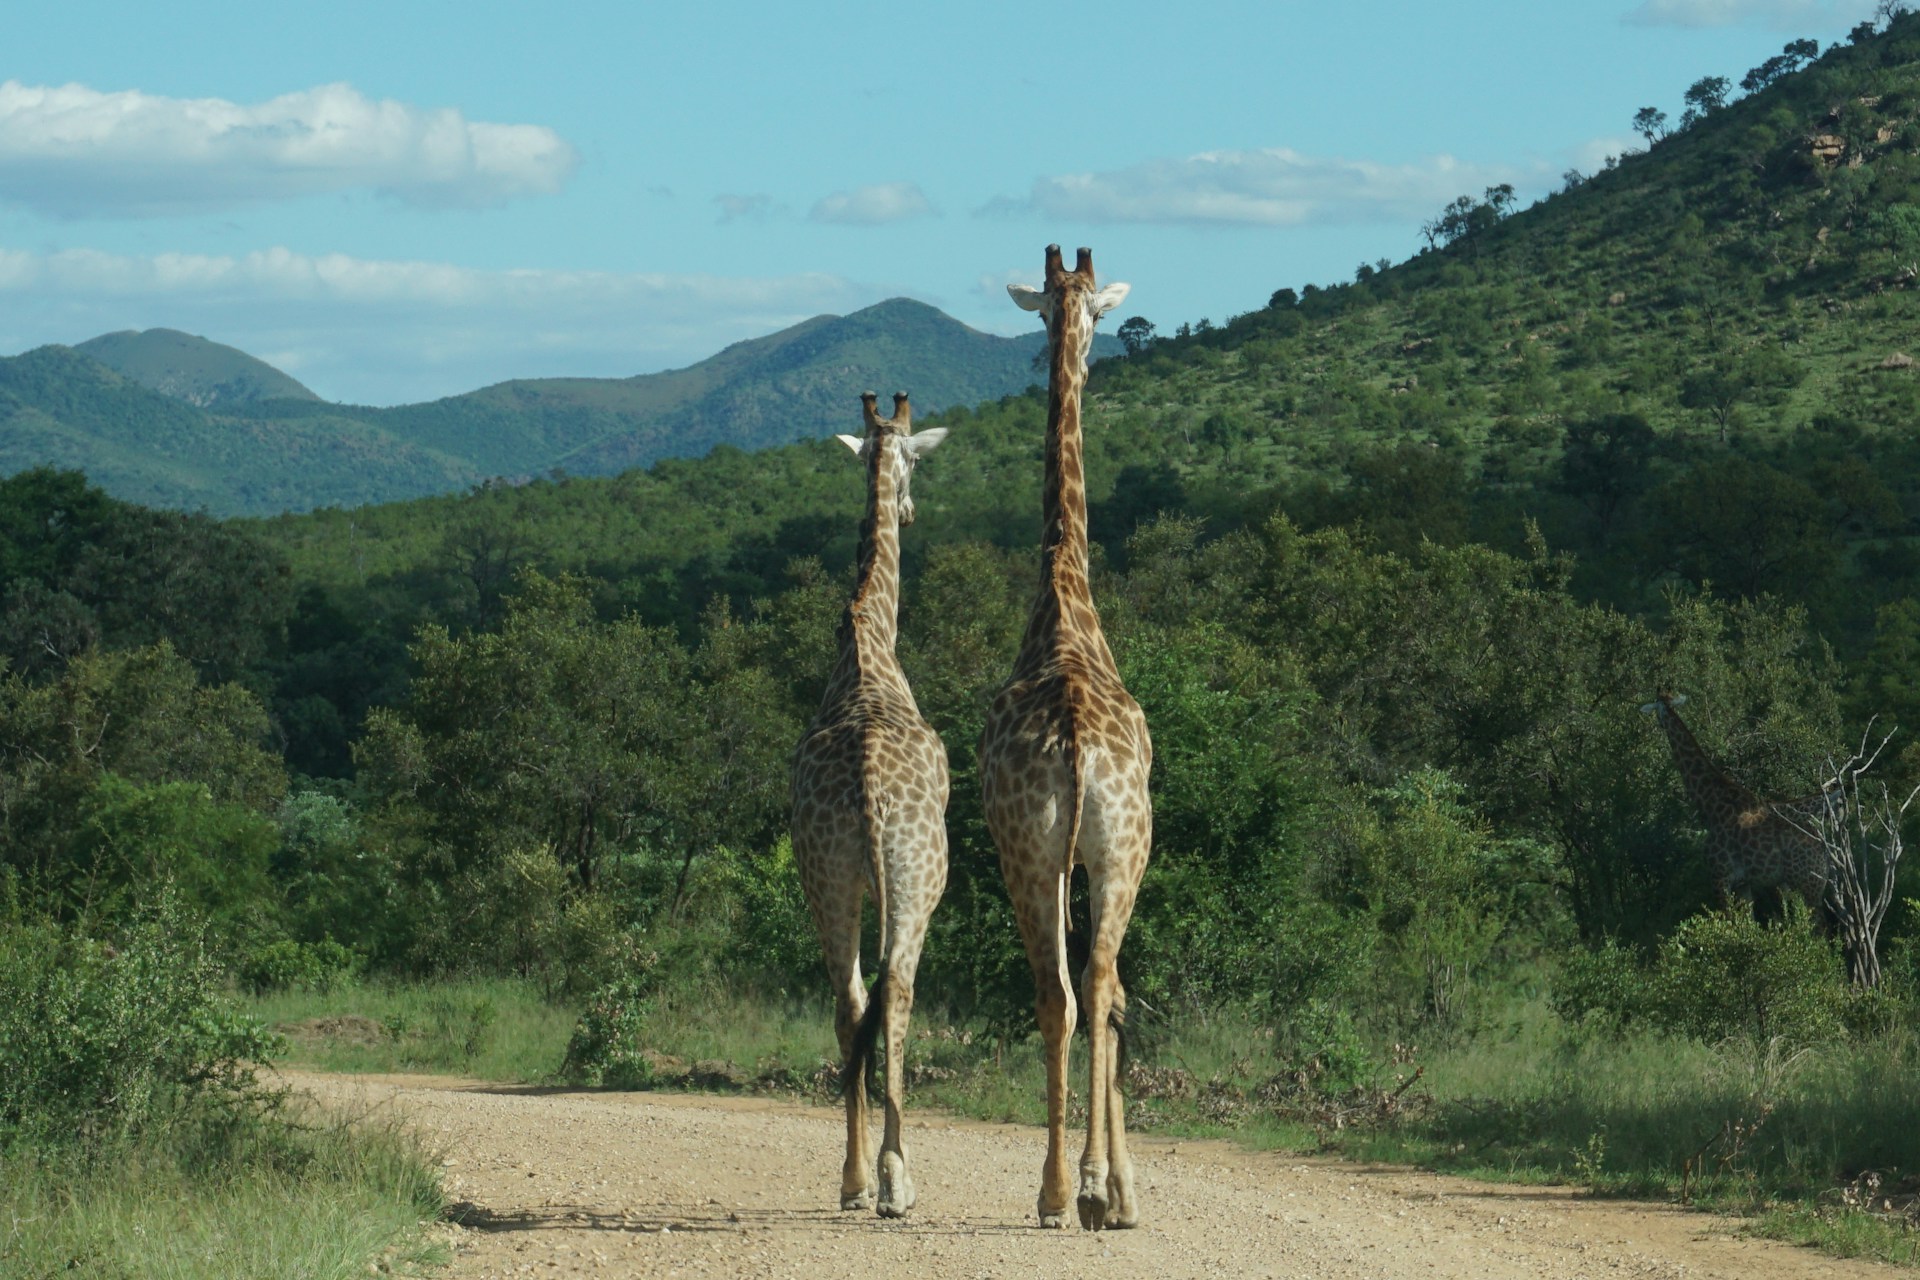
<point>866,1033</point>
<point>1076,803</point>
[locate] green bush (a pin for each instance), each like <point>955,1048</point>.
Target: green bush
<point>1726,975</point>
<point>1319,1045</point>
<point>286,965</point>
<point>104,1037</point>
<point>606,1046</point>
<point>132,835</point>
<point>333,881</point>
<point>1719,976</point>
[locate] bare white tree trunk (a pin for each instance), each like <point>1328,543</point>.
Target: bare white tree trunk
<point>1860,831</point>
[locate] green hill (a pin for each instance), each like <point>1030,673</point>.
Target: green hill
<point>793,385</point>
<point>60,408</point>
<point>1690,367</point>
<point>196,370</point>
<point>167,419</point>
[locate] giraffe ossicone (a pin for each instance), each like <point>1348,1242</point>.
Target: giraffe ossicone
<point>869,816</point>
<point>1064,762</point>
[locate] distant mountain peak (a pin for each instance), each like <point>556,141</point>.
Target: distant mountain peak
<point>187,367</point>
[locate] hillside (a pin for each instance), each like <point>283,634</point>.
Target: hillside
<point>1690,367</point>
<point>62,409</point>
<point>167,419</point>
<point>788,386</point>
<point>190,368</point>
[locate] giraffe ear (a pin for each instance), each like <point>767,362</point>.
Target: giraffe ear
<point>923,444</point>
<point>1109,298</point>
<point>854,443</point>
<point>1648,708</point>
<point>1677,700</point>
<point>1026,297</point>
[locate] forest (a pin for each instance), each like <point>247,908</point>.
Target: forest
<point>1392,566</point>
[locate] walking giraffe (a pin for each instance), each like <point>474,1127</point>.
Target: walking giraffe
<point>869,813</point>
<point>1064,760</point>
<point>1752,844</point>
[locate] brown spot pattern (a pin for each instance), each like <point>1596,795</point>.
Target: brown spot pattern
<point>869,816</point>
<point>1064,760</point>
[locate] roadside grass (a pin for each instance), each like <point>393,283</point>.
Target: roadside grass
<point>280,1194</point>
<point>495,1029</point>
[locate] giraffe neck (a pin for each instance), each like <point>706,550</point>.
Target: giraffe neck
<point>870,624</point>
<point>1712,789</point>
<point>1064,610</point>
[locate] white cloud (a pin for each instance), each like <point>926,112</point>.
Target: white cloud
<point>751,208</point>
<point>386,332</point>
<point>1782,15</point>
<point>874,205</point>
<point>75,151</point>
<point>1270,187</point>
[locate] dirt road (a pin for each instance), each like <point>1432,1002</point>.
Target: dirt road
<point>667,1185</point>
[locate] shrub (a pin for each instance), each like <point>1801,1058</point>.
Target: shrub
<point>287,965</point>
<point>1320,1046</point>
<point>606,1045</point>
<point>1724,975</point>
<point>102,1037</point>
<point>1719,976</point>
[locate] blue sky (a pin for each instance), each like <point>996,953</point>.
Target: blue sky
<point>398,201</point>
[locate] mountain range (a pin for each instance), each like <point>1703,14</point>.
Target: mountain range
<point>167,419</point>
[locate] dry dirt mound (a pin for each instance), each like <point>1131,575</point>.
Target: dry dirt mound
<point>615,1184</point>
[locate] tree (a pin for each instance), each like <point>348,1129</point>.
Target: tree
<point>1135,334</point>
<point>1704,97</point>
<point>1284,300</point>
<point>1650,123</point>
<point>1861,836</point>
<point>563,734</point>
<point>1790,59</point>
<point>1748,528</point>
<point>1606,462</point>
<point>185,755</point>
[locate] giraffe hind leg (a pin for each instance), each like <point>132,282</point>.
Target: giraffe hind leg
<point>836,911</point>
<point>1100,1172</point>
<point>1123,1210</point>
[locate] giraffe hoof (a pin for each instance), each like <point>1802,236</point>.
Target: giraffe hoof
<point>896,1188</point>
<point>856,1200</point>
<point>1053,1221</point>
<point>1093,1212</point>
<point>1122,1212</point>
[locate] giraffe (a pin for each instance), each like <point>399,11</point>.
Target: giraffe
<point>1752,844</point>
<point>1064,759</point>
<point>869,813</point>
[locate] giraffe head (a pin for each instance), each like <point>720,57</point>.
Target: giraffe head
<point>1662,703</point>
<point>890,446</point>
<point>1069,302</point>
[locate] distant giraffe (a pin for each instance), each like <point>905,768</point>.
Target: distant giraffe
<point>869,813</point>
<point>1064,760</point>
<point>1752,844</point>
